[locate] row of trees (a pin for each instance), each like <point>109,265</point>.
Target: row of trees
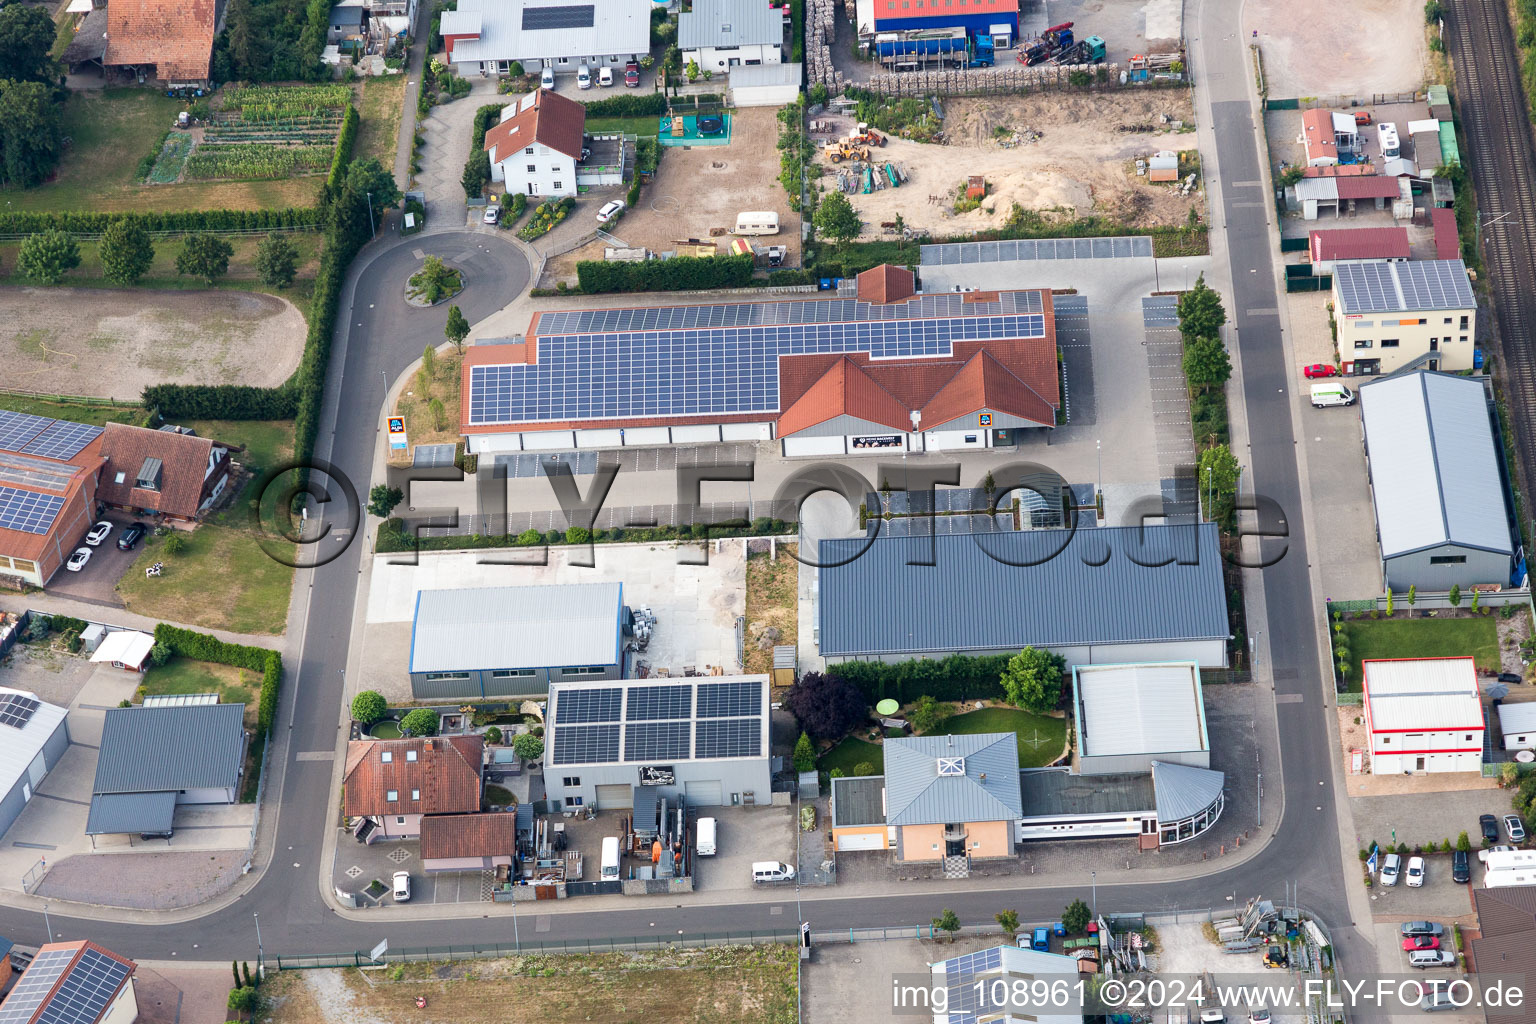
<point>127,252</point>
<point>31,96</point>
<point>1207,368</point>
<point>1074,919</point>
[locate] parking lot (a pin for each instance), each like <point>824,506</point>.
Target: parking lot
<point>97,581</point>
<point>357,865</point>
<point>744,835</point>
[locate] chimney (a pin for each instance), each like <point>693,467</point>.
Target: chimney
<point>428,744</point>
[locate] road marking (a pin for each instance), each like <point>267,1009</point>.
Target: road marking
<point>419,254</point>
<point>1288,698</point>
<point>1247,206</point>
<point>315,755</point>
<point>1247,184</point>
<point>541,923</point>
<point>34,846</point>
<point>1271,311</point>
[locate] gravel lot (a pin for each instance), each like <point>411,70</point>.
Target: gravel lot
<point>143,881</point>
<point>1307,52</point>
<point>110,343</point>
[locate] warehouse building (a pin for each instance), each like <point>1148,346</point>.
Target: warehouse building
<point>703,739</point>
<point>33,736</point>
<point>1129,716</point>
<point>515,641</point>
<point>486,37</point>
<point>766,85</point>
<point>1437,484</point>
<point>1423,715</point>
<point>1100,596</point>
<point>998,18</point>
<point>1398,316</point>
<point>49,472</point>
<point>888,370</point>
<point>1342,194</point>
<point>989,986</point>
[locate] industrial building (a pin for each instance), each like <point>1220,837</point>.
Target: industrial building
<point>1343,194</point>
<point>1129,716</point>
<point>703,739</point>
<point>889,370</point>
<point>49,471</point>
<point>1437,482</point>
<point>486,37</point>
<point>1397,316</point>
<point>1107,595</point>
<point>33,736</point>
<point>766,85</point>
<point>515,641</point>
<point>1423,715</point>
<point>722,35</point>
<point>997,18</point>
<point>982,986</point>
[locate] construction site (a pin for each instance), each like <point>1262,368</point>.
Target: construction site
<point>1064,155</point>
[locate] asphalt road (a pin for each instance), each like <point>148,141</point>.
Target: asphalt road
<point>383,336</point>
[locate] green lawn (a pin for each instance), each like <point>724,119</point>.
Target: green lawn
<point>184,675</point>
<point>223,579</point>
<point>1402,637</point>
<point>1041,739</point>
<point>626,125</point>
<point>378,126</point>
<point>99,415</point>
<point>267,442</point>
<point>851,752</point>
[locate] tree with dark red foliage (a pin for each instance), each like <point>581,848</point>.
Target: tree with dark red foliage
<point>827,707</point>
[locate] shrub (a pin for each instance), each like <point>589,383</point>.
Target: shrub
<point>528,538</point>
<point>205,256</point>
<point>175,544</point>
<point>652,104</point>
<point>369,706</point>
<point>928,714</point>
<point>47,256</point>
<point>277,261</point>
<point>805,754</point>
<point>420,722</point>
<point>485,118</point>
<point>578,535</point>
<point>493,734</point>
<point>864,768</point>
<point>126,252</point>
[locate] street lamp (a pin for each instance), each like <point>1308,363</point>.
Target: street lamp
<point>371,231</point>
<point>1094,878</point>
<point>259,958</point>
<point>47,923</point>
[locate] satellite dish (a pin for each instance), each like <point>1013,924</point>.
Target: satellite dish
<point>888,706</point>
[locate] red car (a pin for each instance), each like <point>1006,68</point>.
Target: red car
<point>1421,942</point>
<point>632,75</point>
<point>1320,370</point>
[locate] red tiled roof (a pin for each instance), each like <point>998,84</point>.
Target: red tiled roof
<point>1317,131</point>
<point>454,836</point>
<point>176,36</point>
<point>446,773</point>
<point>1447,236</point>
<point>1360,244</point>
<point>985,384</point>
<point>1375,186</point>
<point>73,519</point>
<point>556,121</point>
<point>67,979</point>
<point>886,283</point>
<point>844,389</point>
<point>1339,171</point>
<point>184,462</point>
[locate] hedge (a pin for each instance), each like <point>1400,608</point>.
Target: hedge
<point>682,273</point>
<point>221,401</point>
<point>958,677</point>
<point>343,155</point>
<point>87,223</point>
<point>650,105</point>
<point>189,643</point>
<point>485,117</point>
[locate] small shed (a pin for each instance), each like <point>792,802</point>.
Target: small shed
<point>784,665</point>
<point>126,649</point>
<point>765,85</point>
<point>1440,102</point>
<point>1163,167</point>
<point>975,187</point>
<point>92,636</point>
<point>1517,722</point>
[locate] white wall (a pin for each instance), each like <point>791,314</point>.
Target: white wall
<point>1386,758</point>
<point>553,174</point>
<point>944,440</point>
<point>125,1008</point>
<point>206,796</point>
<point>765,95</point>
<point>1087,826</point>
<point>546,439</point>
<point>719,61</point>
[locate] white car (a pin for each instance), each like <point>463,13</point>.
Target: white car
<point>1390,865</point>
<point>547,78</point>
<point>402,886</point>
<point>98,533</point>
<point>78,559</point>
<point>605,77</point>
<point>583,78</point>
<point>1482,855</point>
<point>1259,1017</point>
<point>1515,827</point>
<point>492,214</point>
<point>1415,872</point>
<point>610,210</point>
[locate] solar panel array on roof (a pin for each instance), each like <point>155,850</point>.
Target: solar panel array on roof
<point>661,721</point>
<point>654,702</point>
<point>570,16</point>
<point>656,741</point>
<point>1402,286</point>
<point>16,709</point>
<point>586,744</point>
<point>35,984</point>
<point>28,511</point>
<point>729,700</point>
<point>597,705</point>
<point>83,993</point>
<point>1120,247</point>
<point>728,737</point>
<point>48,438</point>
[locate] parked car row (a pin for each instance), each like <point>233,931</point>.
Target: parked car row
<point>98,533</point>
<point>605,77</point>
<point>1514,828</point>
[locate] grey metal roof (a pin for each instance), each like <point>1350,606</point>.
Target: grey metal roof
<point>116,813</point>
<point>1084,589</point>
<point>517,627</point>
<point>148,750</point>
<point>1400,287</point>
<point>1183,791</point>
<point>916,794</point>
<point>729,23</point>
<point>1056,792</point>
<point>748,75</point>
<point>19,746</point>
<point>1517,718</point>
<point>1434,464</point>
<point>6,945</point>
<point>858,801</point>
<point>1139,709</point>
<point>346,15</point>
<point>624,28</point>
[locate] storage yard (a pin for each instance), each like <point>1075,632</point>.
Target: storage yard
<point>1306,55</point>
<point>1067,154</point>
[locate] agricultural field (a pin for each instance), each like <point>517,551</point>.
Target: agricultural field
<point>266,132</point>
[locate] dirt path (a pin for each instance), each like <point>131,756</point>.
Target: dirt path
<point>1082,162</point>
<point>111,343</point>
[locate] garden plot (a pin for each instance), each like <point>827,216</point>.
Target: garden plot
<point>264,132</point>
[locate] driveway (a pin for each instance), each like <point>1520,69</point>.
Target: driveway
<point>97,582</point>
<point>444,149</point>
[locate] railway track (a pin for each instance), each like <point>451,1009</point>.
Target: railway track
<point>1502,159</point>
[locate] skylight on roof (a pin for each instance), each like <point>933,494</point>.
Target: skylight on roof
<point>951,766</point>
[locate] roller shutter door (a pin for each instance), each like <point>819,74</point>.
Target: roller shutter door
<point>704,794</point>
<point>872,841</point>
<point>618,796</point>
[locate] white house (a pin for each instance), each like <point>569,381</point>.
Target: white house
<point>1423,715</point>
<point>535,148</point>
<point>723,34</point>
<point>487,36</point>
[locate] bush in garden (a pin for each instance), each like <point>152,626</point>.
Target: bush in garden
<point>45,257</point>
<point>420,722</point>
<point>369,706</point>
<point>493,735</point>
<point>527,746</point>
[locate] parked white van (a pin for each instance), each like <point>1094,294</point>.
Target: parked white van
<point>706,837</point>
<point>610,872</point>
<point>1328,392</point>
<point>771,871</point>
<point>757,222</point>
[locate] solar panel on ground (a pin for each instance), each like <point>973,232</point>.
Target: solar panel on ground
<point>595,705</point>
<point>729,700</point>
<point>16,710</point>
<point>653,702</point>
<point>62,440</point>
<point>433,455</point>
<point>728,737</point>
<point>28,511</point>
<point>538,19</point>
<point>586,744</point>
<point>653,741</point>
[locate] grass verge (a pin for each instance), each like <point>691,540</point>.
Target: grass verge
<point>772,603</point>
<point>222,579</point>
<point>78,412</point>
<point>430,404</point>
<point>1402,637</point>
<point>378,127</point>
